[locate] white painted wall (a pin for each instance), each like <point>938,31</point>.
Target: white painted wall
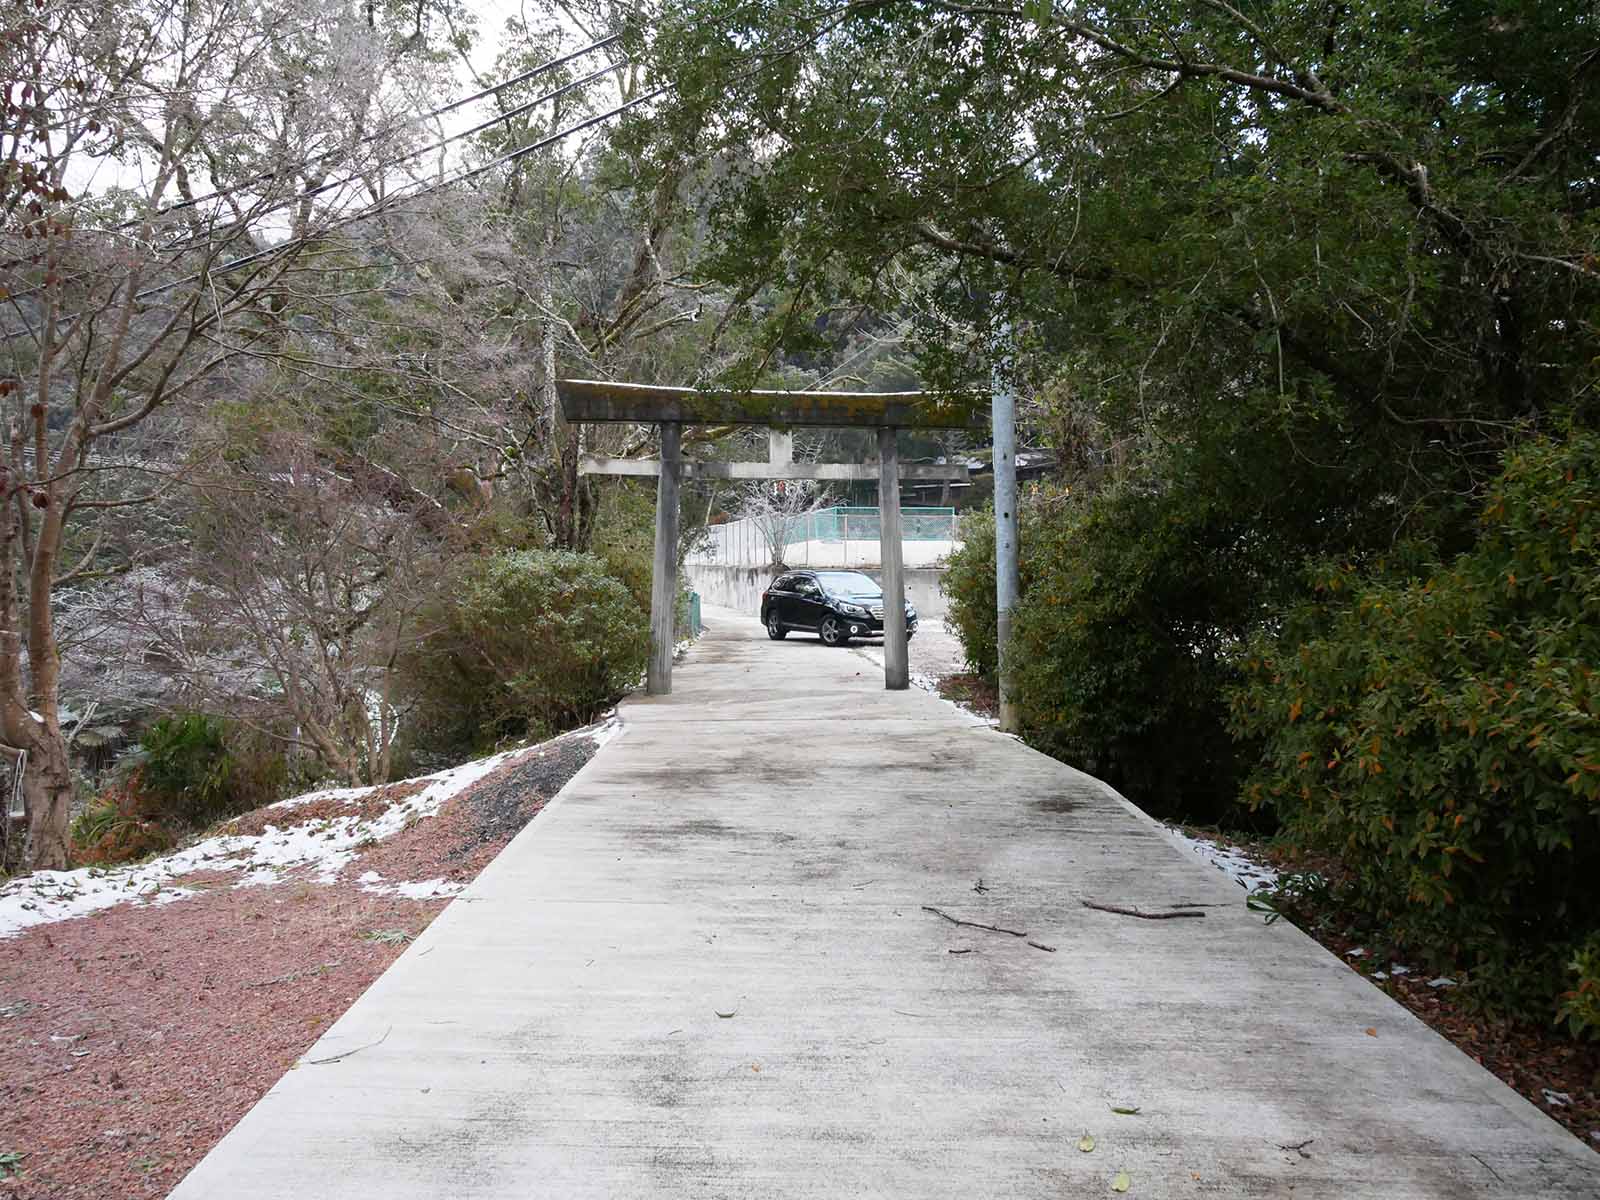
<point>742,543</point>
<point>741,587</point>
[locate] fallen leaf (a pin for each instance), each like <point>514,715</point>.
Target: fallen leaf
<point>1086,1143</point>
<point>1121,1182</point>
<point>726,1015</point>
<point>1125,1112</point>
<point>1372,1032</point>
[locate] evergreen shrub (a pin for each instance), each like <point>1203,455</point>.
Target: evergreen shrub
<point>1439,735</point>
<point>528,642</point>
<point>196,768</point>
<point>1123,640</point>
<point>191,770</point>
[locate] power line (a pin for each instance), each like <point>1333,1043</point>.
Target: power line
<point>309,193</point>
<point>392,201</point>
<point>319,189</point>
<point>493,89</point>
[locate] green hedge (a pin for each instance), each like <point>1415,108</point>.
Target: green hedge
<point>529,642</point>
<point>1132,605</point>
<point>1439,735</point>
<point>969,590</point>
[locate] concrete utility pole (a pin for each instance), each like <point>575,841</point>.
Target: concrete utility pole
<point>664,569</point>
<point>1004,417</point>
<point>896,662</point>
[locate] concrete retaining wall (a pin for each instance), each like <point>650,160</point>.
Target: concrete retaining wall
<point>741,587</point>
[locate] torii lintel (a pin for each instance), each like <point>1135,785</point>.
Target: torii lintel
<point>598,401</point>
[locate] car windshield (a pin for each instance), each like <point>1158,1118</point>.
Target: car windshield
<point>848,583</point>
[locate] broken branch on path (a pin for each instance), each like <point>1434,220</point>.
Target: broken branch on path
<point>1135,912</point>
<point>333,1058</point>
<point>1021,933</point>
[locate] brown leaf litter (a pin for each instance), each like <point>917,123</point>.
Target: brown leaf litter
<point>132,1040</point>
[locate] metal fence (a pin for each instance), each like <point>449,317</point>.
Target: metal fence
<point>861,524</point>
<point>839,536</point>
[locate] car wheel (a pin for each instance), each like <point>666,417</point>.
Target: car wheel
<point>831,632</point>
<point>775,629</point>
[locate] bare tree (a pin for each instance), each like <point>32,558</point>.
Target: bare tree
<point>149,289</point>
<point>570,260</point>
<point>304,588</point>
<point>778,510</point>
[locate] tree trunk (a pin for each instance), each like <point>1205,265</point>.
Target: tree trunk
<point>47,787</point>
<point>566,498</point>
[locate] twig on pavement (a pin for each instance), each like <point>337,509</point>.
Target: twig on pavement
<point>333,1058</point>
<point>973,924</point>
<point>1134,912</point>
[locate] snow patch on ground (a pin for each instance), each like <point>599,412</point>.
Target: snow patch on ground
<point>321,848</point>
<point>1252,876</point>
<point>420,889</point>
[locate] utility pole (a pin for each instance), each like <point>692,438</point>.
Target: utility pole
<point>1004,417</point>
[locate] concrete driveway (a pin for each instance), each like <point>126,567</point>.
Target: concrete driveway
<point>712,968</point>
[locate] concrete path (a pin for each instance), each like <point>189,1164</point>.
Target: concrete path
<point>706,971</point>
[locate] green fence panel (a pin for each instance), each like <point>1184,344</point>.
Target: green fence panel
<point>849,524</point>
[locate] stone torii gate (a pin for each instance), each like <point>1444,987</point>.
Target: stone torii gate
<point>671,408</point>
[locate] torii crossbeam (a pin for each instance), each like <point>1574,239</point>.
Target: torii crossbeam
<point>671,408</point>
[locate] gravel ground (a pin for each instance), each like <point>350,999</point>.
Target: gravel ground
<point>496,810</point>
<point>133,1039</point>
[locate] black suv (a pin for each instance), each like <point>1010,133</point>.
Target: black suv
<point>835,605</point>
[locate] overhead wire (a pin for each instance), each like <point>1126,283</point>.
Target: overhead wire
<point>493,89</point>
<point>378,207</point>
<point>329,185</point>
<point>388,202</point>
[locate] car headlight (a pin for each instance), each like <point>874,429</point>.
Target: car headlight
<point>855,610</point>
<point>911,612</point>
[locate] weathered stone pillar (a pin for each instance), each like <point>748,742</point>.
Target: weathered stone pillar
<point>664,573</point>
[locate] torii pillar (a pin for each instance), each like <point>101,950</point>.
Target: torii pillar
<point>664,567</point>
<point>670,408</point>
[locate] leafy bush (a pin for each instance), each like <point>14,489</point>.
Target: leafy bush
<point>1580,1006</point>
<point>1439,734</point>
<point>530,641</point>
<point>186,767</point>
<point>116,827</point>
<point>969,587</point>
<point>196,769</point>
<point>1133,604</point>
<point>624,536</point>
<point>191,770</point>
